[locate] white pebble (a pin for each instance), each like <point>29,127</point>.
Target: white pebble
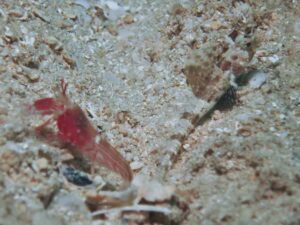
<point>40,164</point>
<point>273,58</point>
<point>258,79</point>
<point>136,165</point>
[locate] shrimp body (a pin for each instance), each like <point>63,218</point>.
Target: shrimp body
<point>75,129</point>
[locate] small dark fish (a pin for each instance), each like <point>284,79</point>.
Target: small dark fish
<point>76,177</point>
<point>227,100</point>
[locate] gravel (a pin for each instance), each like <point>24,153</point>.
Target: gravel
<point>145,73</point>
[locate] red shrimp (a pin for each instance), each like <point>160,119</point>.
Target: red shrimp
<point>75,129</point>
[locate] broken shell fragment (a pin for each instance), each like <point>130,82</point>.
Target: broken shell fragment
<point>244,131</point>
<point>71,62</point>
<point>40,164</point>
<point>39,14</point>
<point>10,36</point>
<point>54,44</point>
<point>70,16</point>
<point>128,19</point>
<point>31,75</point>
<point>15,13</point>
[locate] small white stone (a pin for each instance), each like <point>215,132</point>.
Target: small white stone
<point>186,146</point>
<point>273,58</point>
<point>32,76</point>
<point>258,79</point>
<point>41,164</point>
<point>136,165</point>
<point>98,181</point>
<point>66,157</point>
<point>97,139</point>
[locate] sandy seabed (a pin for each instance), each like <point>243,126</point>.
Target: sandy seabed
<point>145,73</point>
